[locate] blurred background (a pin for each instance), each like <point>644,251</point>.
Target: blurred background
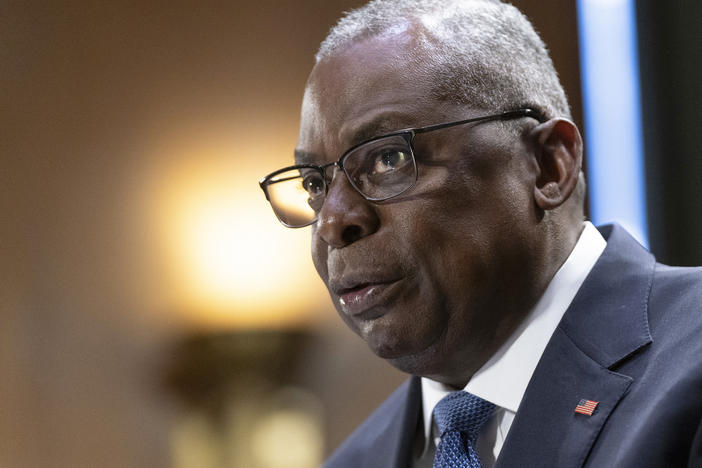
<point>154,312</point>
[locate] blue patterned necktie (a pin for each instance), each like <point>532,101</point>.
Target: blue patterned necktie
<point>459,417</point>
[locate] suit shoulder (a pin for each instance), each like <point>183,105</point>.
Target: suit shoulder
<point>675,306</point>
<point>679,287</point>
<point>683,276</point>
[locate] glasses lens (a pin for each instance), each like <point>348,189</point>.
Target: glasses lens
<point>382,168</point>
<point>296,196</point>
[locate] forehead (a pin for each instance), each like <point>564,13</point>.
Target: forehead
<point>373,86</point>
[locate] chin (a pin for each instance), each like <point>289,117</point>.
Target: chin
<point>412,353</point>
<point>416,362</point>
<point>388,341</point>
<point>412,364</point>
<point>387,350</point>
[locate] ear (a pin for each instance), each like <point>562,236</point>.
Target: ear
<point>559,151</point>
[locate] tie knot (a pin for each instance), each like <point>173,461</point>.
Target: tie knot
<point>463,412</point>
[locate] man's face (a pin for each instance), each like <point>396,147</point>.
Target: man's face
<point>437,278</point>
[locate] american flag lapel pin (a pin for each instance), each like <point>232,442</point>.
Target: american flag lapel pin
<point>586,407</point>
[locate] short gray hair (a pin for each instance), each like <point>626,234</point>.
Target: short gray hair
<point>484,53</point>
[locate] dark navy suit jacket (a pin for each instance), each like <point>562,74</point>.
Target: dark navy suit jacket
<point>631,340</point>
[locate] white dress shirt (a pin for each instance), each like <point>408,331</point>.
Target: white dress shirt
<point>503,379</point>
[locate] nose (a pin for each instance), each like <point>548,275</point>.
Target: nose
<point>346,216</point>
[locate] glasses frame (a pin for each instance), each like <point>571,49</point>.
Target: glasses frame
<point>408,134</point>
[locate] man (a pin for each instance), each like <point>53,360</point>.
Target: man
<point>441,174</point>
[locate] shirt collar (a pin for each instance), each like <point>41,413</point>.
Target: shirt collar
<point>503,379</point>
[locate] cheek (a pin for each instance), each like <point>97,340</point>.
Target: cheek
<point>319,256</point>
<point>454,242</point>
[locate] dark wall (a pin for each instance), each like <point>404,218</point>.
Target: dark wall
<point>670,44</point>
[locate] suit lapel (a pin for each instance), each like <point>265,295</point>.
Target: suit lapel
<point>606,323</point>
<point>547,431</point>
<point>393,447</point>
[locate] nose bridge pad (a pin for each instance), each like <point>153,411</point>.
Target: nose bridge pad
<point>331,172</point>
<point>342,192</point>
<point>342,223</point>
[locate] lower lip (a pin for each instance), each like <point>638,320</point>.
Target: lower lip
<point>358,301</point>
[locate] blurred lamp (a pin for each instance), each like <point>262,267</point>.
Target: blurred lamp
<point>226,261</point>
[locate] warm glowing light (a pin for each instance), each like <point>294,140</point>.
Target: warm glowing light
<point>288,438</point>
<point>227,261</point>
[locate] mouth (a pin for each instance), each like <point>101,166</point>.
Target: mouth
<point>359,299</point>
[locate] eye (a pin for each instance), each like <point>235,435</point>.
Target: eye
<point>388,160</point>
<point>313,184</point>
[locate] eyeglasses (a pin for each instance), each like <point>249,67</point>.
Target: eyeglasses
<point>379,169</point>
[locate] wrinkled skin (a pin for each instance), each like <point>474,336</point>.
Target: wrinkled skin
<point>436,279</point>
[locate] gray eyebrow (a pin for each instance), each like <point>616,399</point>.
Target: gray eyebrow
<point>381,125</point>
<point>305,157</point>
